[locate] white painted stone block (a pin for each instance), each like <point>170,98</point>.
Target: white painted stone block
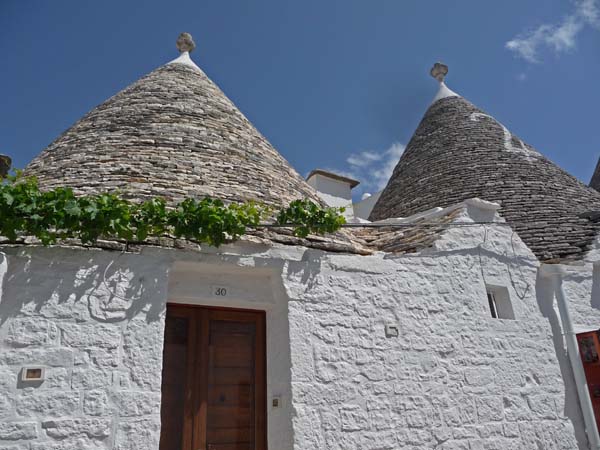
<point>16,431</point>
<point>32,403</point>
<point>66,428</point>
<point>95,403</point>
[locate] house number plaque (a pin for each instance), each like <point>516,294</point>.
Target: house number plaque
<point>219,291</point>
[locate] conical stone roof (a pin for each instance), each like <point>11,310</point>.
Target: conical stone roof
<point>460,152</point>
<point>173,134</point>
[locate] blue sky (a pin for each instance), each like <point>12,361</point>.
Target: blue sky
<point>332,84</point>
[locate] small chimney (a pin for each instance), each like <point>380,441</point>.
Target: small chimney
<point>595,181</point>
<point>335,190</point>
<point>5,163</point>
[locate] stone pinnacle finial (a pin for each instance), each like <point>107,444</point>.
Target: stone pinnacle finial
<point>439,71</point>
<point>185,43</point>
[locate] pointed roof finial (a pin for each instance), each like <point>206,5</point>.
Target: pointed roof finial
<point>185,43</point>
<point>439,71</point>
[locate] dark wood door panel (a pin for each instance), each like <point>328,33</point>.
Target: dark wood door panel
<point>230,395</point>
<point>230,417</point>
<point>175,432</point>
<point>230,435</point>
<point>224,339</point>
<point>231,375</point>
<point>229,356</point>
<point>238,446</point>
<point>214,364</point>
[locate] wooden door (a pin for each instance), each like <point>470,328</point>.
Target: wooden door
<point>213,385</point>
<point>589,351</point>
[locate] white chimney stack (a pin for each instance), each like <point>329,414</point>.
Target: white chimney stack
<point>335,190</point>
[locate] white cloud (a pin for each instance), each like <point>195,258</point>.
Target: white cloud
<point>559,38</point>
<point>590,11</point>
<point>362,158</point>
<point>372,168</point>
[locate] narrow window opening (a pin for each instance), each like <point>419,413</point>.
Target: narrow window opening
<point>499,302</point>
<point>492,302</point>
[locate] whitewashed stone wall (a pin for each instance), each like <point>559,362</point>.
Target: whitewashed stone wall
<point>454,378</point>
<point>582,288</point>
<point>94,320</point>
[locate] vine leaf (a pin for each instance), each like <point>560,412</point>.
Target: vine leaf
<point>59,213</point>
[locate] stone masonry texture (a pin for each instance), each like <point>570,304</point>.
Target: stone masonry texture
<point>99,337</point>
<point>454,378</point>
<point>459,152</point>
<point>172,134</point>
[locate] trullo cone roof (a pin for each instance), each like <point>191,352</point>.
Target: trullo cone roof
<point>173,134</point>
<point>460,152</point>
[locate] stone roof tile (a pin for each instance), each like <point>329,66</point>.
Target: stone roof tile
<point>459,152</point>
<point>172,134</point>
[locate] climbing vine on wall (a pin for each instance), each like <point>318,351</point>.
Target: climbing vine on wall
<point>58,214</point>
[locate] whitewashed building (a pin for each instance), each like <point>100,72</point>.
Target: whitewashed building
<point>447,323</point>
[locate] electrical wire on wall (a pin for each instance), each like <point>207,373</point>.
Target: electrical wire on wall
<point>523,278</point>
<point>513,283</point>
<point>479,247</point>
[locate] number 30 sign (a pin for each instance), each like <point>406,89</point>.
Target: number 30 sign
<point>219,291</point>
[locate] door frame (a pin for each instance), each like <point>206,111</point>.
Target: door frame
<point>196,400</point>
